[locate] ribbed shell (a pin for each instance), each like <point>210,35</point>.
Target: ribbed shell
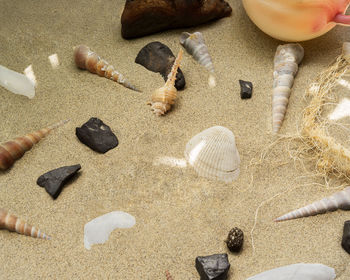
<point>213,154</point>
<point>339,200</point>
<point>88,60</point>
<point>286,62</point>
<point>194,44</point>
<point>12,223</point>
<point>13,150</point>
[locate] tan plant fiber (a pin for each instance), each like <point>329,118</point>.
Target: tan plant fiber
<point>333,157</point>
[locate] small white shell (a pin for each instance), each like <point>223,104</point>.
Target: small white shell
<point>213,154</point>
<point>299,271</point>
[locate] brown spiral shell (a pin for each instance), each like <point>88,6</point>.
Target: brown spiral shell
<point>164,97</point>
<point>13,150</point>
<point>12,223</point>
<point>88,60</point>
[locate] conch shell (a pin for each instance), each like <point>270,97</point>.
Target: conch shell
<point>339,200</point>
<point>12,223</point>
<point>194,44</point>
<point>297,20</point>
<point>286,62</point>
<point>164,97</point>
<point>88,60</point>
<point>13,150</point>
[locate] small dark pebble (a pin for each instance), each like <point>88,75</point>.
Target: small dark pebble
<point>235,239</point>
<point>246,89</point>
<point>345,243</point>
<point>97,135</point>
<point>214,267</point>
<point>54,180</point>
<point>158,58</point>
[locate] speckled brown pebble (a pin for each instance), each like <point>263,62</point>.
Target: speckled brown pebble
<point>235,239</point>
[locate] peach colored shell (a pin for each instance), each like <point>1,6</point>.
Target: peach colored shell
<point>297,20</point>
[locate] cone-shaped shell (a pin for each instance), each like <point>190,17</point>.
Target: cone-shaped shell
<point>194,44</point>
<point>339,200</point>
<point>286,62</point>
<point>298,271</point>
<point>12,223</point>
<point>88,60</point>
<point>13,150</point>
<point>213,154</point>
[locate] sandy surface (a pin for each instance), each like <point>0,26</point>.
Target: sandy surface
<point>178,214</point>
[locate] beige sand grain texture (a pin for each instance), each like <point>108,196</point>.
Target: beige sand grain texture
<point>179,215</point>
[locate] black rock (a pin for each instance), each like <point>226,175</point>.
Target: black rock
<point>235,239</point>
<point>246,89</point>
<point>345,243</point>
<point>158,58</point>
<point>54,180</point>
<point>214,267</point>
<point>97,135</point>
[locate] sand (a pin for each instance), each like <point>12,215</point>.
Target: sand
<point>178,215</point>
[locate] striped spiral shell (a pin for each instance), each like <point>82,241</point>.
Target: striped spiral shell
<point>286,62</point>
<point>88,60</point>
<point>13,150</point>
<point>12,223</point>
<point>194,44</point>
<point>164,97</point>
<point>339,200</point>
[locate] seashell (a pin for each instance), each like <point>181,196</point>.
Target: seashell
<point>88,60</point>
<point>339,200</point>
<point>140,19</point>
<point>213,154</point>
<point>164,97</point>
<point>295,20</point>
<point>194,44</point>
<point>13,150</point>
<point>158,58</point>
<point>299,271</point>
<point>12,223</point>
<point>16,82</point>
<point>168,275</point>
<point>286,62</point>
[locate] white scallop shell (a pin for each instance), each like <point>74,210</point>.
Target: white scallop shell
<point>213,154</point>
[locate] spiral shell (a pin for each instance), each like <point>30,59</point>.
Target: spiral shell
<point>286,62</point>
<point>13,150</point>
<point>213,154</point>
<point>194,44</point>
<point>339,200</point>
<point>88,60</point>
<point>12,223</point>
<point>164,97</point>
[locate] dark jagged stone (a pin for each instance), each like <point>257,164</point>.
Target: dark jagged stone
<point>54,180</point>
<point>158,58</point>
<point>97,135</point>
<point>235,239</point>
<point>345,243</point>
<point>246,89</point>
<point>214,267</point>
<point>140,19</point>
